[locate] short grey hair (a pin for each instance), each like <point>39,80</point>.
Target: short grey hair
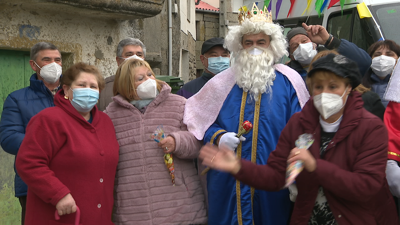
<point>41,46</point>
<point>130,41</point>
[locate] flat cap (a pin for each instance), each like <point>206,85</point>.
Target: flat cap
<point>339,65</point>
<point>210,43</point>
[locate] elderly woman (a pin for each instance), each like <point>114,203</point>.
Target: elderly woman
<point>343,181</point>
<point>372,101</point>
<point>384,56</point>
<point>69,154</point>
<point>144,190</point>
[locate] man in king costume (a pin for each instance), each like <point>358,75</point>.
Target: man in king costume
<point>256,89</point>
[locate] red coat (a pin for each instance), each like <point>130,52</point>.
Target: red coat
<point>352,172</point>
<point>62,153</point>
<point>392,122</point>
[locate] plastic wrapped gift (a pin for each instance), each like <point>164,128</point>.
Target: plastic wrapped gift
<point>294,169</point>
<point>158,136</point>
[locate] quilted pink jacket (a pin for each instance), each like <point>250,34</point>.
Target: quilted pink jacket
<point>143,190</point>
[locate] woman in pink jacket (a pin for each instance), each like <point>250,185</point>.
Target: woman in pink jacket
<point>343,181</point>
<point>144,192</point>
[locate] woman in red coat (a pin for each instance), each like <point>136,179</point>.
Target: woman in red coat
<point>343,181</point>
<point>69,155</point>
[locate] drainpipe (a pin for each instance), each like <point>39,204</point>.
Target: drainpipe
<point>169,37</point>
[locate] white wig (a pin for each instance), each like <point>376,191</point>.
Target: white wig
<point>278,44</point>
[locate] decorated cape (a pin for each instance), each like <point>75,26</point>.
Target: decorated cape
<point>202,109</point>
<point>392,92</point>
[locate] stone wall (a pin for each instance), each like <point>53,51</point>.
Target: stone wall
<point>86,39</point>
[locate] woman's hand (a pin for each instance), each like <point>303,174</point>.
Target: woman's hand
<point>66,205</point>
<point>167,144</point>
<point>310,164</point>
<point>222,158</point>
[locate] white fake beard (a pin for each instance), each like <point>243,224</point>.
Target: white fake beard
<point>254,73</point>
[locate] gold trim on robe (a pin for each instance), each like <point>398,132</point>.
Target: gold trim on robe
<point>239,155</point>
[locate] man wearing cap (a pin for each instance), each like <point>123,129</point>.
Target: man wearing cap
<point>215,59</point>
<point>127,48</point>
<point>23,104</point>
<point>256,89</point>
<point>303,46</point>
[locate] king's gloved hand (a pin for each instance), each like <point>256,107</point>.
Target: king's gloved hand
<point>230,140</point>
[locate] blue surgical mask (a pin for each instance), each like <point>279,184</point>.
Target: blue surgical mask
<point>84,99</point>
<point>218,64</point>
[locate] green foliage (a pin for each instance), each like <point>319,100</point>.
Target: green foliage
<point>10,209</point>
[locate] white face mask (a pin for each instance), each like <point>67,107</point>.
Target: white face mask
<point>147,89</point>
<point>255,51</point>
<point>50,72</point>
<point>329,104</point>
<point>305,53</point>
<point>383,65</point>
<point>132,57</point>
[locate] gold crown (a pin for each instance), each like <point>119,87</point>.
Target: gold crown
<point>255,14</point>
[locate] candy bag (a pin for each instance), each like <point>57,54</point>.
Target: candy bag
<point>294,169</point>
<point>158,136</point>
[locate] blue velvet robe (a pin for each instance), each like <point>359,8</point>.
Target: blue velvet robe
<point>273,111</point>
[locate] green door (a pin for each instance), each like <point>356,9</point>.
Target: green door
<point>15,72</point>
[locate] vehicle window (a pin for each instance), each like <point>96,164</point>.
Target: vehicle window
<point>362,35</point>
<point>340,25</point>
<point>388,17</point>
<point>349,26</point>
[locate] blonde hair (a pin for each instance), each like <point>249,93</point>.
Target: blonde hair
<point>362,89</point>
<point>124,83</point>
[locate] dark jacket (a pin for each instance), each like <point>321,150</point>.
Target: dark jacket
<point>377,85</point>
<point>194,86</point>
<point>19,107</point>
<point>106,94</point>
<point>373,104</point>
<point>352,172</point>
<point>344,47</point>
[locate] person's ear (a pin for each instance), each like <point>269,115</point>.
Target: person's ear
<point>66,88</point>
<point>33,66</point>
<point>119,60</point>
<point>349,89</point>
<point>204,60</point>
